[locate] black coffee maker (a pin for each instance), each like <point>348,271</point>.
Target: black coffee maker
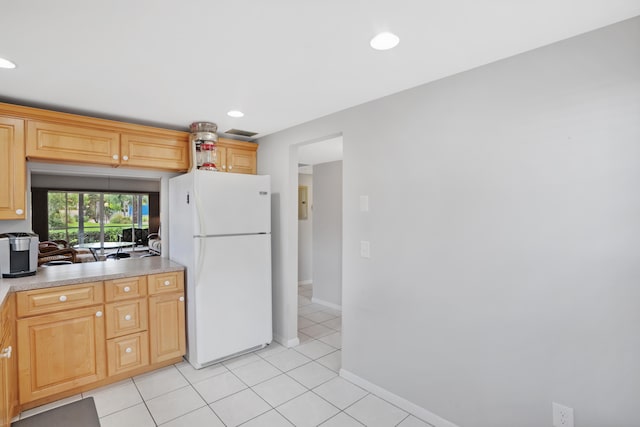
<point>18,254</point>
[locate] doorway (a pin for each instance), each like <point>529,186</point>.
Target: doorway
<point>320,246</point>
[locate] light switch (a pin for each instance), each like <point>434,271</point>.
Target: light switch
<point>365,249</point>
<point>364,203</point>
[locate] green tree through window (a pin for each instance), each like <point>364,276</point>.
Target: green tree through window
<point>87,217</point>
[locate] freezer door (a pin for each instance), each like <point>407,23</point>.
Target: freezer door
<point>232,295</point>
<point>229,203</point>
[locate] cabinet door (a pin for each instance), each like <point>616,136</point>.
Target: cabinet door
<point>221,156</point>
<point>241,161</point>
<point>12,169</point>
<point>166,326</point>
<point>72,143</point>
<point>8,364</point>
<point>60,351</point>
<point>8,383</point>
<point>5,390</point>
<point>155,152</point>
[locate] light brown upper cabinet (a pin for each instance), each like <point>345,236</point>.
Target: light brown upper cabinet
<point>155,151</point>
<point>13,175</point>
<point>236,156</point>
<point>52,136</point>
<point>79,144</point>
<point>72,143</point>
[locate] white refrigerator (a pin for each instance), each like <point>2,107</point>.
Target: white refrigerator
<point>220,229</point>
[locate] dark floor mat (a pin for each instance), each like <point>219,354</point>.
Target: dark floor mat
<point>81,413</point>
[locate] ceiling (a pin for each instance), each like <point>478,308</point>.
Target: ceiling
<point>281,62</point>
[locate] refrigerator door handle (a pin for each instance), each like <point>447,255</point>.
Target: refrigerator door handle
<point>201,219</point>
<point>200,260</point>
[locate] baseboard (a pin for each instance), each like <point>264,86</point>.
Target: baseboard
<point>305,282</point>
<point>400,402</point>
<point>326,303</point>
<point>293,342</point>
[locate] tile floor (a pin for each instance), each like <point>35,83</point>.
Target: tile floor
<point>271,387</point>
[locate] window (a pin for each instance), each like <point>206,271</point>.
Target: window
<point>88,217</point>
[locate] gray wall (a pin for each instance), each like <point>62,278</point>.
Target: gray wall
<point>305,236</point>
<point>504,229</point>
<point>327,233</point>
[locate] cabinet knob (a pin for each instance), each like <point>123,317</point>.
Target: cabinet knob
<point>98,314</point>
<point>128,350</point>
<point>6,353</point>
<point>19,211</point>
<point>62,298</point>
<point>167,283</point>
<point>224,166</point>
<point>126,289</point>
<point>230,167</point>
<point>125,158</point>
<point>181,299</point>
<point>115,157</point>
<point>127,317</point>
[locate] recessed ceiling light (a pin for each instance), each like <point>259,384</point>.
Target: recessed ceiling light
<point>384,41</point>
<point>235,113</point>
<point>5,63</point>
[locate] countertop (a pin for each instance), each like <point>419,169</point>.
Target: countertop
<point>71,274</point>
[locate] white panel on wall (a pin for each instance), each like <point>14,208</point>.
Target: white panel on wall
<point>305,266</point>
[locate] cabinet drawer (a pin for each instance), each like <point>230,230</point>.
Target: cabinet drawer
<point>166,282</point>
<point>39,301</point>
<point>126,317</point>
<point>127,353</point>
<point>121,289</point>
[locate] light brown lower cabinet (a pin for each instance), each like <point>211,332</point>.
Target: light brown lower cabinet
<point>5,381</point>
<point>5,391</point>
<point>120,333</point>
<point>166,326</point>
<point>128,353</point>
<point>60,351</point>
<point>8,365</point>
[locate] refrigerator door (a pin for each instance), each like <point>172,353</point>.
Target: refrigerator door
<point>232,295</point>
<point>229,203</point>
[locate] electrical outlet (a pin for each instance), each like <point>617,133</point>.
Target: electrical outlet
<point>562,415</point>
